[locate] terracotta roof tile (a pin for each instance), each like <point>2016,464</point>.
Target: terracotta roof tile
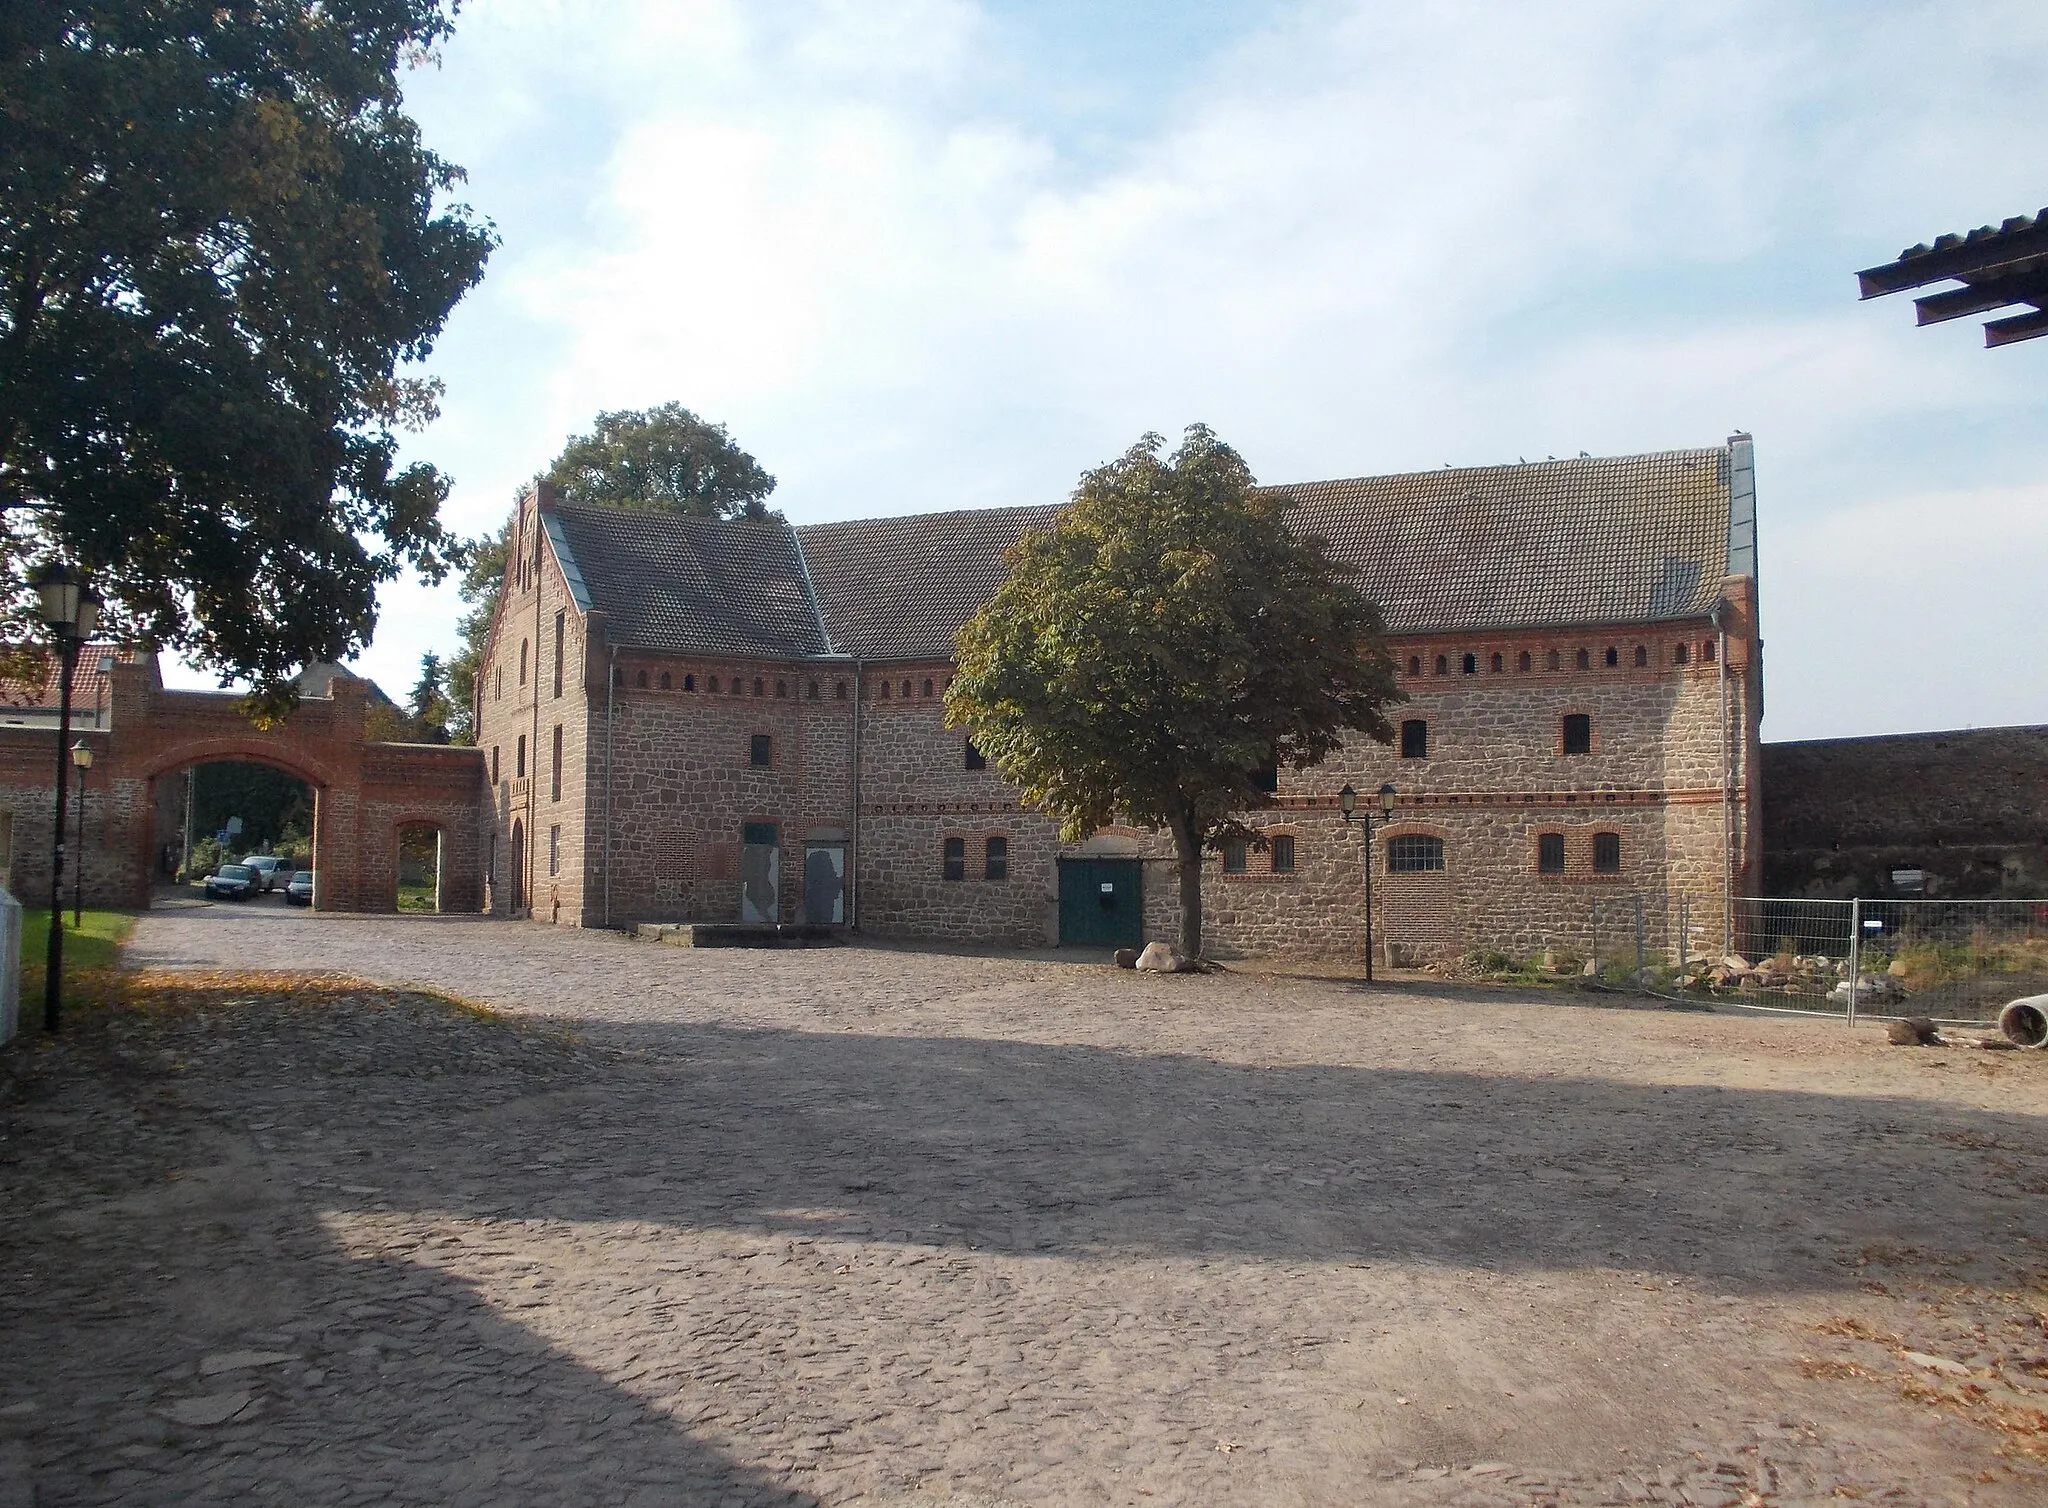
<point>88,683</point>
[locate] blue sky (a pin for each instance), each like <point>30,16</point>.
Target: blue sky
<point>925,254</point>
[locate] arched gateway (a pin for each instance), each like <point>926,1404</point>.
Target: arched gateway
<point>363,792</point>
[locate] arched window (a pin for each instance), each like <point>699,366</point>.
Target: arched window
<point>1496,665</point>
<point>666,685</point>
<point>1585,660</point>
<point>640,680</point>
<point>1577,733</point>
<point>972,758</point>
<point>1613,656</point>
<point>1415,664</point>
<point>689,683</point>
<point>1414,853</point>
<point>1642,654</point>
<point>814,691</point>
<point>732,687</point>
<point>1471,664</point>
<point>906,690</point>
<point>1443,664</point>
<point>927,686</point>
<point>1522,662</point>
<point>1706,651</point>
<point>782,688</point>
<point>1550,853</point>
<point>714,684</point>
<point>522,662</point>
<point>839,691</point>
<point>759,686</point>
<point>1607,853</point>
<point>1678,653</point>
<point>1550,661</point>
<point>885,691</point>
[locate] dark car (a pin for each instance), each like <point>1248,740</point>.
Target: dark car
<point>298,890</point>
<point>232,882</point>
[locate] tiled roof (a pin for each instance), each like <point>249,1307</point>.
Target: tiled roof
<point>691,585</point>
<point>1606,539</point>
<point>88,683</point>
<point>1556,543</point>
<point>899,588</point>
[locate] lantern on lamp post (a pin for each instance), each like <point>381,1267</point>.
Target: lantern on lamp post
<point>1347,802</point>
<point>70,611</point>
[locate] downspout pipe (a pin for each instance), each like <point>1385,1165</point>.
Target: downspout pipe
<point>853,846</point>
<point>1719,615</point>
<point>611,683</point>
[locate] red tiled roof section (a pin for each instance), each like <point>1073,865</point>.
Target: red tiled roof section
<point>1599,540</point>
<point>88,684</point>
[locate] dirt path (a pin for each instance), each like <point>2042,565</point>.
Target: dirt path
<point>879,1225</point>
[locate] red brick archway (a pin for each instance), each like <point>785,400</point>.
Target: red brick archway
<point>363,792</point>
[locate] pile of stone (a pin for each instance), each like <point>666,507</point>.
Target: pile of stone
<point>1785,974</point>
<point>1869,990</point>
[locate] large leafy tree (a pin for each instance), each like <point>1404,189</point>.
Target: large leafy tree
<point>222,246</point>
<point>663,458</point>
<point>1164,644</point>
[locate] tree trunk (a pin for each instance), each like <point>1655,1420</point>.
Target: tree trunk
<point>1188,849</point>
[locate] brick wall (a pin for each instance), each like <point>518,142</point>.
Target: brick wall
<point>1969,809</point>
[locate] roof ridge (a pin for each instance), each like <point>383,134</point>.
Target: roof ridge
<point>1498,468</point>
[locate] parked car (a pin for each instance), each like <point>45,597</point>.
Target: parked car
<point>271,871</point>
<point>231,882</point>
<point>298,890</point>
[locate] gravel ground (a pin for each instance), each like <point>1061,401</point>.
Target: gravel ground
<point>871,1224</point>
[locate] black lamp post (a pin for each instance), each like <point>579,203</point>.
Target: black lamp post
<point>70,611</point>
<point>81,756</point>
<point>1347,800</point>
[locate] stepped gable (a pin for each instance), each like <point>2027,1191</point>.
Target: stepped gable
<point>899,588</point>
<point>1600,540</point>
<point>679,585</point>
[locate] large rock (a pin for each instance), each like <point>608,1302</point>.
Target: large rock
<point>1125,958</point>
<point>1159,958</point>
<point>1913,1031</point>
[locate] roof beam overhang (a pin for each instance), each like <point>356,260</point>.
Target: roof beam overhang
<point>1988,255</point>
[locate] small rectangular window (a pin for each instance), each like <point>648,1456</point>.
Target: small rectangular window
<point>1550,853</point>
<point>519,768</point>
<point>973,758</point>
<point>561,618</point>
<point>955,855</point>
<point>1578,733</point>
<point>1283,854</point>
<point>1234,856</point>
<point>555,849</point>
<point>494,764</point>
<point>996,861</point>
<point>1607,853</point>
<point>761,750</point>
<point>1414,739</point>
<point>555,778</point>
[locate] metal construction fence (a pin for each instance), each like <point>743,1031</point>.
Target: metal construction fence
<point>1953,961</point>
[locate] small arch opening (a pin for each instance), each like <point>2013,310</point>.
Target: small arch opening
<point>665,683</point>
<point>1613,656</point>
<point>1679,653</point>
<point>1470,665</point>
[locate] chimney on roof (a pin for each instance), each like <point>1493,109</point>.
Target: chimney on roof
<point>545,494</point>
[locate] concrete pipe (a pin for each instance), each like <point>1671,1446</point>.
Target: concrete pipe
<point>2025,1021</point>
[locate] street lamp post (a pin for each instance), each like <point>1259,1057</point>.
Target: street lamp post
<point>70,611</point>
<point>81,756</point>
<point>1347,801</point>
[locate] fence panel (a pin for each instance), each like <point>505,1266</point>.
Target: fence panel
<point>1956,961</point>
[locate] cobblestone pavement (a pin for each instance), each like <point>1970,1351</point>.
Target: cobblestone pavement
<point>669,1226</point>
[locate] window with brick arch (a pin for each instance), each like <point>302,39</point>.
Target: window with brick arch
<point>519,760</point>
<point>1414,739</point>
<point>1283,853</point>
<point>953,859</point>
<point>1471,665</point>
<point>666,685</point>
<point>1607,853</point>
<point>972,758</point>
<point>1585,660</point>
<point>1642,655</point>
<point>995,859</point>
<point>761,751</point>
<point>640,681</point>
<point>1522,662</point>
<point>1414,853</point>
<point>927,687</point>
<point>522,662</point>
<point>1706,651</point>
<point>759,686</point>
<point>1678,653</point>
<point>1496,664</point>
<point>1234,856</point>
<point>713,685</point>
<point>561,646</point>
<point>1577,733</point>
<point>782,688</point>
<point>812,692</point>
<point>1443,664</point>
<point>555,767</point>
<point>1551,661</point>
<point>1550,853</point>
<point>885,691</point>
<point>689,683</point>
<point>839,691</point>
<point>906,691</point>
<point>1613,656</point>
<point>1415,664</point>
<point>494,764</point>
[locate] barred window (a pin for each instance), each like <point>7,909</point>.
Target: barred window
<point>1283,854</point>
<point>1550,853</point>
<point>1607,853</point>
<point>1234,852</point>
<point>995,861</point>
<point>955,859</point>
<point>1413,853</point>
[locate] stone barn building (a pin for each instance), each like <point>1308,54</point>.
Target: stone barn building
<point>706,720</point>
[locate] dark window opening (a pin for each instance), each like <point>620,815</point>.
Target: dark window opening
<point>640,680</point>
<point>1415,664</point>
<point>1234,856</point>
<point>906,691</point>
<point>782,688</point>
<point>1678,654</point>
<point>522,662</point>
<point>1522,662</point>
<point>1613,656</point>
<point>1607,853</point>
<point>839,691</point>
<point>955,866</point>
<point>519,768</point>
<point>689,683</point>
<point>1443,664</point>
<point>1550,661</point>
<point>972,758</point>
<point>813,691</point>
<point>1267,778</point>
<point>760,687</point>
<point>885,691</point>
<point>1283,854</point>
<point>761,750</point>
<point>927,687</point>
<point>560,617</point>
<point>1471,665</point>
<point>1642,654</point>
<point>1414,739</point>
<point>1414,853</point>
<point>713,683</point>
<point>1578,733</point>
<point>1585,660</point>
<point>555,775</point>
<point>995,861</point>
<point>760,835</point>
<point>494,764</point>
<point>733,688</point>
<point>1550,853</point>
<point>1496,665</point>
<point>666,684</point>
<point>1706,651</point>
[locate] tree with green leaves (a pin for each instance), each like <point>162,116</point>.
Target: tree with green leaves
<point>663,458</point>
<point>1162,644</point>
<point>223,252</point>
<point>429,701</point>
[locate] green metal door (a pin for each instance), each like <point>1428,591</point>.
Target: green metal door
<point>1101,903</point>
